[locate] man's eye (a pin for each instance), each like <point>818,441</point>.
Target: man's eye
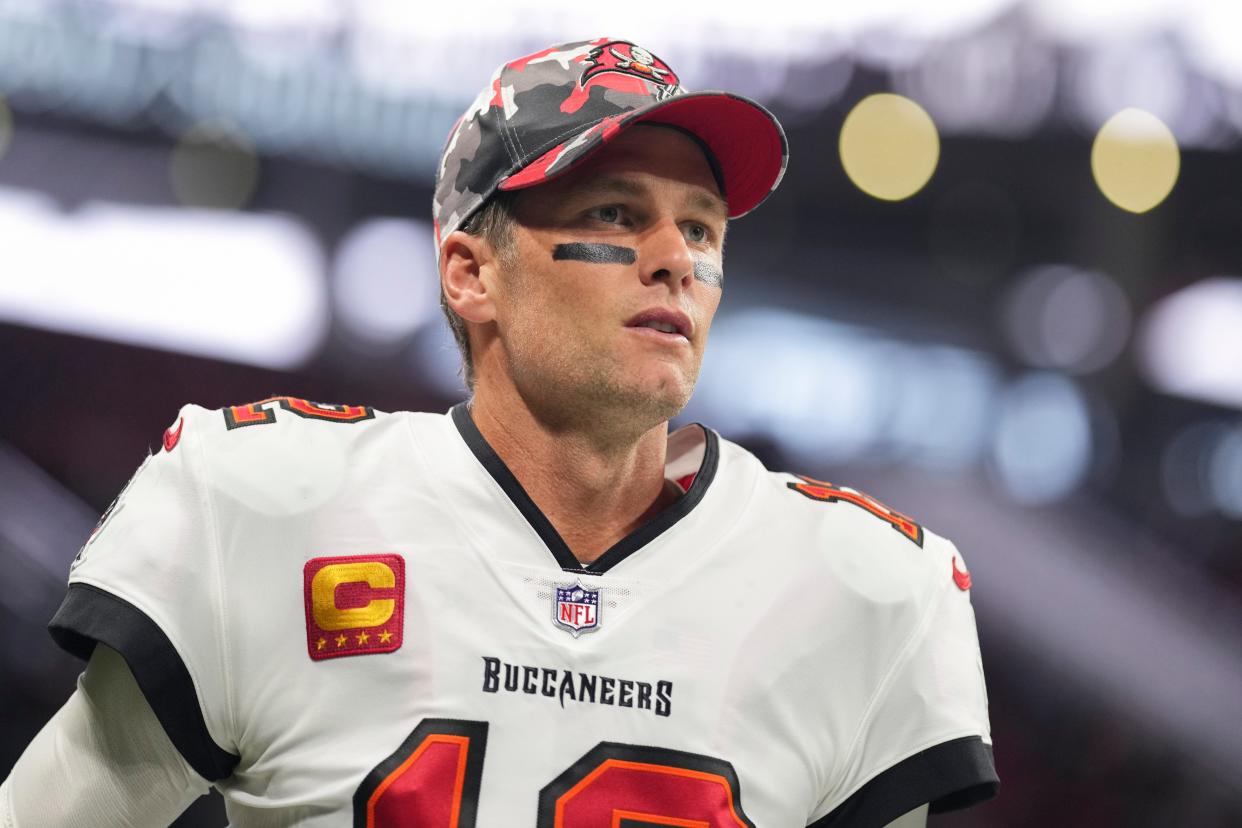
<point>610,214</point>
<point>696,233</point>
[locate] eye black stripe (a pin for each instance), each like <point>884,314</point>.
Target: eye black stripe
<point>594,253</point>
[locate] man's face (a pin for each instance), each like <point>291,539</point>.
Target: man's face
<point>604,257</point>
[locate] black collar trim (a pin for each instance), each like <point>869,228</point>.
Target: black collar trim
<point>623,548</point>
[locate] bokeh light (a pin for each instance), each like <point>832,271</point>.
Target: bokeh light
<point>1041,446</point>
<point>214,165</point>
<point>811,85</point>
<point>1135,160</point>
<point>996,81</point>
<point>242,287</point>
<point>1148,72</point>
<point>826,389</point>
<point>1058,316</point>
<point>384,284</point>
<point>1190,341</point>
<point>889,146</point>
<point>1225,474</point>
<point>1186,468</point>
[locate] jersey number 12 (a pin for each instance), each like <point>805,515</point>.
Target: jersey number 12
<point>433,781</point>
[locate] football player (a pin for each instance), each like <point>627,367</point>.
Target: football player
<point>541,608</point>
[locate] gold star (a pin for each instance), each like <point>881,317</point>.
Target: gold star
<point>385,636</point>
<point>320,643</point>
<point>364,637</point>
<point>340,640</point>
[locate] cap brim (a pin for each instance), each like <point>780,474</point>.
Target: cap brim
<point>747,141</point>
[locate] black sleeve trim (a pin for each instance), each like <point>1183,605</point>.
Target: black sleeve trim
<point>952,775</point>
<point>89,615</point>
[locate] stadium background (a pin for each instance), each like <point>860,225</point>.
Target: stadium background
<point>1007,302</point>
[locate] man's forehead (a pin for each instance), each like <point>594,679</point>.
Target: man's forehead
<point>632,162</point>
<point>637,185</point>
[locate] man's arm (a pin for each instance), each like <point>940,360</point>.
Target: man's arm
<point>103,759</point>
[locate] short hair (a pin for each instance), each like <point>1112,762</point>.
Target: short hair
<point>494,223</point>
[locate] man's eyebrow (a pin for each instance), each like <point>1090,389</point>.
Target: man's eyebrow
<point>712,203</point>
<point>610,185</point>
<point>701,199</point>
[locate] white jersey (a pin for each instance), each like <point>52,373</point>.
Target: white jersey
<point>349,617</point>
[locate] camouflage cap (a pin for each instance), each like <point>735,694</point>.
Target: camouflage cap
<point>548,111</point>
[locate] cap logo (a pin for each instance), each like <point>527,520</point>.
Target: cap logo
<point>628,59</point>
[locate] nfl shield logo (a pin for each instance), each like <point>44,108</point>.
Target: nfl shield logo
<point>576,608</point>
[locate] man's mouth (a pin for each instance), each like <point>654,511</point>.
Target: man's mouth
<point>664,320</point>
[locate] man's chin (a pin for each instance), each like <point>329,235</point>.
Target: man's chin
<point>662,398</point>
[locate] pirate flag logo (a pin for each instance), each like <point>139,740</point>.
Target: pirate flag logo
<point>626,58</point>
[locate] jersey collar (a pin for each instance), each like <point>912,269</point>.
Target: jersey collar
<point>623,548</point>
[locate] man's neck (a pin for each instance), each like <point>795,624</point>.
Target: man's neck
<point>594,487</point>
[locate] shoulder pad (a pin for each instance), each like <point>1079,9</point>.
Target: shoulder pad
<point>277,456</point>
<point>869,540</point>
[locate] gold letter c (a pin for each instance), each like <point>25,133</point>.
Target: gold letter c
<point>323,595</point>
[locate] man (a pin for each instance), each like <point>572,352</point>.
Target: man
<point>542,609</point>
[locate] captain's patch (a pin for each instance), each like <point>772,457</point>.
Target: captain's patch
<point>354,605</point>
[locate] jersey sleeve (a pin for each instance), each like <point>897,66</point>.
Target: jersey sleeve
<point>103,759</point>
<point>925,737</point>
<point>146,584</point>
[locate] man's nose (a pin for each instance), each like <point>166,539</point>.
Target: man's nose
<point>664,255</point>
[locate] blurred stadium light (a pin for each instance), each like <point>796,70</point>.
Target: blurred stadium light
<point>889,146</point>
<point>1001,81</point>
<point>384,281</point>
<point>1191,342</point>
<point>376,85</point>
<point>1186,468</point>
<point>1041,443</point>
<point>1060,316</point>
<point>179,280</point>
<point>844,393</point>
<point>1226,473</point>
<point>1135,160</point>
<point>214,166</point>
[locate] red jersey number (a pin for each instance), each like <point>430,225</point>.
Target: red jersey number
<point>433,781</point>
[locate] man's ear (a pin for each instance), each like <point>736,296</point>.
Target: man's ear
<point>464,262</point>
